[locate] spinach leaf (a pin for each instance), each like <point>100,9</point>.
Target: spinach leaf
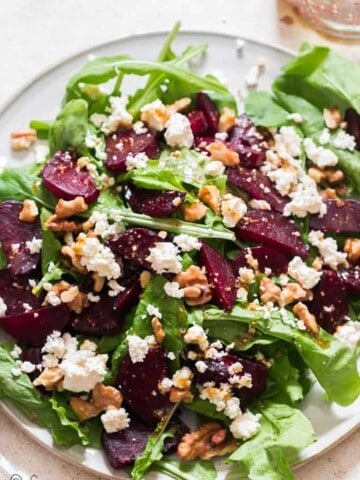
<point>263,110</point>
<point>286,376</point>
<point>51,246</point>
<point>70,127</point>
<point>201,469</point>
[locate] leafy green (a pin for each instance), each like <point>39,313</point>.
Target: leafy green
<point>263,110</point>
<point>51,246</point>
<point>3,261</point>
<point>286,377</point>
<point>70,127</point>
<point>206,409</point>
<point>42,129</point>
<point>53,274</point>
<point>201,469</point>
<point>284,430</point>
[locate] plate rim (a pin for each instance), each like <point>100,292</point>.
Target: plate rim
<point>7,104</point>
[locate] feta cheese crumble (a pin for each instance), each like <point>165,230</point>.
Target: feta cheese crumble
<point>16,352</point>
<point>139,347</point>
<point>320,156</point>
<point>307,277</point>
<point>178,132</point>
<point>115,420</point>
<point>134,162</point>
<point>344,141</point>
<point>34,245</point>
<point>164,258</point>
<point>287,142</point>
<point>153,311</point>
<point>232,209</point>
<point>328,249</point>
<point>96,257</point>
<point>186,243</point>
<point>245,426</point>
<point>295,117</point>
<point>349,333</point>
<point>196,335</point>
<point>119,116</point>
<point>214,168</point>
<point>305,199</point>
<point>172,289</point>
<point>155,114</point>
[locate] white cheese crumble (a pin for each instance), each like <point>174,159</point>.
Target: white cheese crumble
<point>285,179</point>
<point>139,347</point>
<point>349,333</point>
<point>16,351</point>
<point>115,420</point>
<point>182,378</point>
<point>178,132</point>
<point>164,258</point>
<point>96,257</point>
<point>320,156</point>
<point>139,160</point>
<point>245,426</point>
<point>165,385</point>
<point>232,209</point>
<point>27,367</point>
<point>119,116</point>
<point>214,168</point>
<point>288,142</point>
<point>34,245</point>
<point>172,289</point>
<point>114,288</point>
<point>102,227</point>
<point>155,114</point>
<point>328,249</point>
<point>324,137</point>
<point>308,277</point>
<point>186,243</point>
<point>344,141</point>
<point>196,335</point>
<point>201,366</point>
<point>252,76</point>
<point>98,119</point>
<point>259,204</point>
<point>305,199</point>
<point>3,307</point>
<point>295,117</point>
<point>232,408</point>
<point>153,311</point>
<point>139,128</point>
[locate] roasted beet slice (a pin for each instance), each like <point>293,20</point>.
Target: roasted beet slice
<point>220,275</point>
<point>32,328</point>
<point>251,157</point>
<point>156,203</point>
<point>218,371</point>
<point>246,133</point>
<point>271,229</point>
<point>342,216</point>
<point>210,111</point>
<point>125,142</point>
<point>267,257</point>
<point>13,237</point>
<point>256,185</point>
<point>65,180</point>
<point>352,119</point>
<point>134,244</point>
<point>198,123</point>
<point>351,279</point>
<point>330,304</point>
<point>139,385</point>
<point>17,294</point>
<point>128,297</point>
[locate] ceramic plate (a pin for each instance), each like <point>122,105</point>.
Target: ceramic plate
<point>41,100</point>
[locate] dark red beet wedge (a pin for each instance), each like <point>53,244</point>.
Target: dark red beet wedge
<point>342,216</point>
<point>330,304</point>
<point>139,385</point>
<point>218,371</point>
<point>352,119</point>
<point>64,180</point>
<point>351,279</point>
<point>32,328</point>
<point>13,237</point>
<point>210,111</point>
<point>246,133</point>
<point>272,229</point>
<point>16,293</point>
<point>156,203</point>
<point>125,142</point>
<point>267,257</point>
<point>128,297</point>
<point>256,185</point>
<point>221,276</point>
<point>198,123</point>
<point>134,244</point>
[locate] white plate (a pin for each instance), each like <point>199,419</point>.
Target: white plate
<point>41,100</point>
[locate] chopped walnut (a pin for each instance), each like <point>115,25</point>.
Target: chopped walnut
<point>194,212</point>
<point>99,282</point>
<point>317,263</point>
<point>50,379</point>
<point>269,292</point>
<point>227,120</point>
<point>332,117</point>
<point>210,195</point>
<point>84,409</point>
<point>179,105</point>
<point>156,117</point>
<point>56,224</point>
<point>328,193</point>
<point>219,151</point>
<point>195,285</point>
<point>158,330</point>
<point>22,139</point>
<point>106,397</point>
<point>291,293</point>
<point>177,395</point>
<point>29,212</point>
<point>317,174</point>
<point>331,175</point>
<point>78,303</point>
<point>201,444</point>
<point>68,208</point>
<point>302,311</point>
<point>74,259</point>
<point>352,248</point>
<point>145,277</point>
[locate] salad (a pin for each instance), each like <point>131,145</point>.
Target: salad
<point>177,271</point>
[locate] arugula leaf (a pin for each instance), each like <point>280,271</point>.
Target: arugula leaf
<point>42,128</point>
<point>284,431</point>
<point>53,273</point>
<point>207,409</point>
<point>286,376</point>
<point>201,469</point>
<point>65,420</point>
<point>70,127</point>
<point>263,110</point>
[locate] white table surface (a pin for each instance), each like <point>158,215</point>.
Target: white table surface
<point>36,34</point>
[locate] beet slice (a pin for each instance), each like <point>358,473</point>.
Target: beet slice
<point>256,185</point>
<point>16,293</point>
<point>139,385</point>
<point>218,371</point>
<point>156,203</point>
<point>330,304</point>
<point>13,237</point>
<point>342,216</point>
<point>32,328</point>
<point>129,297</point>
<point>210,111</point>
<point>246,133</point>
<point>272,229</point>
<point>351,279</point>
<point>125,142</point>
<point>267,257</point>
<point>221,276</point>
<point>198,123</point>
<point>62,177</point>
<point>352,119</point>
<point>134,244</point>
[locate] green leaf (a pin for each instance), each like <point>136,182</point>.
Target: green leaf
<point>53,274</point>
<point>207,409</point>
<point>42,129</point>
<point>50,252</point>
<point>70,127</point>
<point>286,376</point>
<point>263,110</point>
<point>3,261</point>
<point>199,470</point>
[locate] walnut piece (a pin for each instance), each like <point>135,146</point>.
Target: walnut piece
<point>352,248</point>
<point>158,330</point>
<point>332,117</point>
<point>99,282</point>
<point>195,285</point>
<point>29,212</point>
<point>22,139</point>
<point>145,277</point>
<point>331,175</point>
<point>106,397</point>
<point>302,311</point>
<point>68,208</point>
<point>84,409</point>
<point>74,259</point>
<point>179,105</point>
<point>194,212</point>
<point>177,395</point>
<point>56,224</point>
<point>50,379</point>
<point>219,151</point>
<point>207,442</point>
<point>292,293</point>
<point>210,195</point>
<point>269,292</point>
<point>227,119</point>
